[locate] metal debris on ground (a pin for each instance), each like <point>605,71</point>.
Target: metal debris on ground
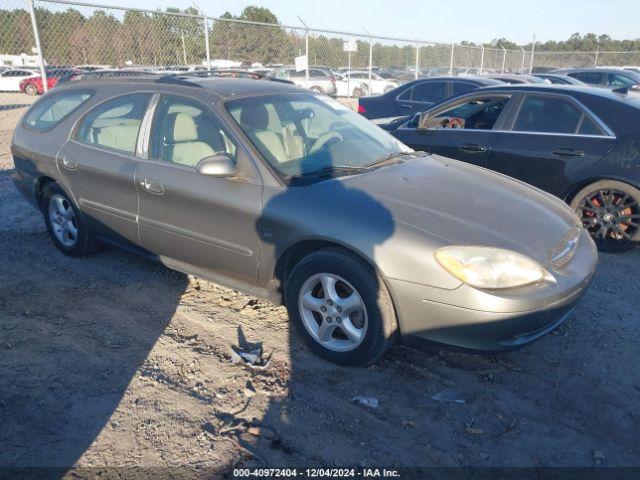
<point>251,358</point>
<point>371,402</point>
<point>449,395</point>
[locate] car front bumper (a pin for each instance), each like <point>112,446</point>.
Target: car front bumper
<point>474,319</point>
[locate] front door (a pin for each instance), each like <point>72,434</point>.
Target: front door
<point>99,164</point>
<point>463,131</point>
<point>195,222</point>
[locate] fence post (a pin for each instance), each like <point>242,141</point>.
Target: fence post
<point>504,57</point>
<point>524,56</point>
<point>417,59</point>
<point>453,46</point>
<point>306,53</point>
<point>36,36</point>
<point>370,62</point>
<point>595,62</point>
<point>482,60</point>
<point>206,41</point>
<point>533,51</point>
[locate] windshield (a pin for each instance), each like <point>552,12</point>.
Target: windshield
<point>300,133</point>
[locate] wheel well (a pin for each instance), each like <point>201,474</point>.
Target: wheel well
<point>573,191</point>
<point>39,190</point>
<point>290,258</point>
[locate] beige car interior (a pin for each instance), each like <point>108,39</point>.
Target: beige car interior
<point>189,135</point>
<point>280,139</point>
<point>113,129</point>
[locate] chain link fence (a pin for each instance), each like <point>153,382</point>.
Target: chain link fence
<point>82,34</point>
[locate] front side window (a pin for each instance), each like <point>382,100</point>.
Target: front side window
<point>302,134</point>
<point>185,132</point>
<point>476,114</point>
<point>115,124</point>
<point>616,80</point>
<point>51,110</point>
<point>547,114</point>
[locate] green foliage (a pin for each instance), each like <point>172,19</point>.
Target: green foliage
<point>115,37</point>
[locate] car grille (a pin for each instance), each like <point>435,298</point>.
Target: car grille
<point>562,252</point>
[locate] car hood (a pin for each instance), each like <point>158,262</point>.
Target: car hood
<point>458,203</point>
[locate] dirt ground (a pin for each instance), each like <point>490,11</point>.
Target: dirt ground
<point>111,360</point>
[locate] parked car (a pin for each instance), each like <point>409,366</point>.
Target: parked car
<point>321,79</point>
<point>418,95</point>
<point>10,79</point>
<point>379,85</point>
<point>345,88</point>
<point>516,78</point>
<point>578,143</point>
<point>559,79</point>
<point>604,77</point>
<point>290,195</point>
<point>34,85</point>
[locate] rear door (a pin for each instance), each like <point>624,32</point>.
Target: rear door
<point>463,130</point>
<point>195,222</point>
<point>99,164</point>
<point>549,142</point>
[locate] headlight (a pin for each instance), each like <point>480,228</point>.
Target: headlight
<point>487,267</point>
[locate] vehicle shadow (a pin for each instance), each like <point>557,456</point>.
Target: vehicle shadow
<point>286,212</point>
<point>57,395</point>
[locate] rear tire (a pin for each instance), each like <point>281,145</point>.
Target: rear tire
<point>610,211</point>
<point>31,89</point>
<point>361,321</point>
<point>65,224</point>
<point>317,89</point>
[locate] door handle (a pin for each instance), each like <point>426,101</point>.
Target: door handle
<point>567,152</point>
<point>406,106</point>
<point>473,148</point>
<point>153,186</point>
<point>69,164</point>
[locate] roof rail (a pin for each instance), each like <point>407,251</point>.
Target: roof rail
<point>231,73</point>
<point>128,74</point>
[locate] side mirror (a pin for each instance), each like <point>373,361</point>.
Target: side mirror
<point>216,166</point>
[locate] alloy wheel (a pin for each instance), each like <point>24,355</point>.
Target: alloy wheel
<point>333,312</point>
<point>610,215</point>
<point>63,220</point>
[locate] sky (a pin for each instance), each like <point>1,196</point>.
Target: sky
<point>443,20</point>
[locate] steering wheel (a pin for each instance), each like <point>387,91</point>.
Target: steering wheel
<point>324,139</point>
<point>456,122</point>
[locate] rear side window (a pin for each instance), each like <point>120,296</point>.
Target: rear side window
<point>462,87</point>
<point>547,114</point>
<point>429,92</point>
<point>50,111</point>
<point>592,78</point>
<point>115,124</point>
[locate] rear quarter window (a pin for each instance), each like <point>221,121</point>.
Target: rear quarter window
<point>51,110</point>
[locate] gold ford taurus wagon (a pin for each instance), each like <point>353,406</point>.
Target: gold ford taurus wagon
<point>286,194</point>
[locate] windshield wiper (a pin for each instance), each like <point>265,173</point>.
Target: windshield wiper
<point>389,159</point>
<point>331,169</point>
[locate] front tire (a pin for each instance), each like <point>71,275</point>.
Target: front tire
<point>610,211</point>
<point>341,307</point>
<point>65,224</point>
